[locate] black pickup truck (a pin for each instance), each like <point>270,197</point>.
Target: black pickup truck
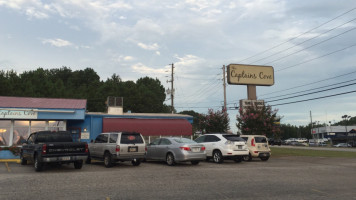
<point>45,147</point>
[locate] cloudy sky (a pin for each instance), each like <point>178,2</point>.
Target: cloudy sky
<point>310,44</point>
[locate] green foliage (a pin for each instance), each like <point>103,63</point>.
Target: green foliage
<point>214,122</point>
<point>196,119</point>
<point>146,95</point>
<point>259,121</point>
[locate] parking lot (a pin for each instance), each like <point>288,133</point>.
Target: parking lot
<point>278,178</point>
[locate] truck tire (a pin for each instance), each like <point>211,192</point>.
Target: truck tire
<point>107,160</point>
<point>38,164</point>
<point>23,161</point>
<point>78,164</point>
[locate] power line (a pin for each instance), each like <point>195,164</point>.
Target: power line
<point>315,98</point>
<point>311,89</point>
<point>284,50</point>
<point>312,92</point>
<point>323,80</point>
<point>299,35</point>
<point>283,57</point>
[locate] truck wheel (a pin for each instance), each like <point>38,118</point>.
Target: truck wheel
<point>23,161</point>
<point>107,160</point>
<point>38,164</point>
<point>78,164</point>
<point>136,162</point>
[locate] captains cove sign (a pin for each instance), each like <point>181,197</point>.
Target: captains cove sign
<point>238,74</point>
<point>17,114</point>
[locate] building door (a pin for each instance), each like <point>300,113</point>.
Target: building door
<point>75,132</point>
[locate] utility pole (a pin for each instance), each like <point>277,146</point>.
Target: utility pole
<point>172,89</point>
<point>311,124</point>
<point>224,85</point>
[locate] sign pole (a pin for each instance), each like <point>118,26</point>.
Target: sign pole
<point>251,92</point>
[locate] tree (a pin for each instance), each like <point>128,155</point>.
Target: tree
<point>214,122</point>
<point>196,119</point>
<point>259,121</point>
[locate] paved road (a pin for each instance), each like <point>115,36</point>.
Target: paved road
<point>278,178</point>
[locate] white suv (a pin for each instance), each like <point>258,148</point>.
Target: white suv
<point>223,146</point>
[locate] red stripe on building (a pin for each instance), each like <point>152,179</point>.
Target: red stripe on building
<point>149,127</point>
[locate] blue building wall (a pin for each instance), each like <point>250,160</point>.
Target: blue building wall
<point>93,123</point>
<point>76,114</point>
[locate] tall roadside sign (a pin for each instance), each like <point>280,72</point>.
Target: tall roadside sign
<point>252,76</point>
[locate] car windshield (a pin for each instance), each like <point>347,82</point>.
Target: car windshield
<point>233,138</point>
<point>260,140</point>
<point>183,140</point>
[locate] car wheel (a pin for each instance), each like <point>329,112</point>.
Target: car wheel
<point>264,158</point>
<point>38,165</point>
<point>78,164</point>
<point>217,157</point>
<point>136,162</point>
<point>247,157</point>
<point>23,161</point>
<point>195,162</point>
<point>170,159</point>
<point>238,159</point>
<point>107,160</point>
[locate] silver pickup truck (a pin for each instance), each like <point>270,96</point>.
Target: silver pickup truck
<point>118,146</point>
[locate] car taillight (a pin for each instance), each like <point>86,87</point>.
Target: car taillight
<point>229,142</point>
<point>145,149</point>
<point>44,149</point>
<point>86,148</point>
<point>203,148</point>
<point>253,142</point>
<point>185,148</point>
<point>117,148</point>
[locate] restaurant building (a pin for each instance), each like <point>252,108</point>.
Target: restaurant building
<point>20,116</point>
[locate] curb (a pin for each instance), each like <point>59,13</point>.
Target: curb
<point>10,160</point>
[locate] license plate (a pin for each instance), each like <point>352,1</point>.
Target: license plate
<point>195,149</point>
<point>133,149</point>
<point>66,158</point>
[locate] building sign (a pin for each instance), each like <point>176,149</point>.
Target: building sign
<point>244,104</point>
<point>17,114</point>
<point>85,136</point>
<point>250,75</point>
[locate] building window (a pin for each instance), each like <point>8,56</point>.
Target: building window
<point>21,132</point>
<point>16,132</point>
<point>5,126</point>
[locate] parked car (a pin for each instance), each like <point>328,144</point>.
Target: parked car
<point>258,147</point>
<point>342,145</point>
<point>118,146</point>
<point>289,140</point>
<point>273,141</point>
<point>302,140</point>
<point>222,146</point>
<point>46,147</point>
<point>175,149</point>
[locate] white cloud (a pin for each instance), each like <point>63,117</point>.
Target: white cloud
<point>151,47</point>
<point>145,70</point>
<point>57,42</point>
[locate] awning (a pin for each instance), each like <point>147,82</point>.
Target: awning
<point>149,127</point>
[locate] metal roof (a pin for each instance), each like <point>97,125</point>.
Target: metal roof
<point>29,102</point>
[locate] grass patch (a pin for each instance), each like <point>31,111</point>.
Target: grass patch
<point>278,152</point>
